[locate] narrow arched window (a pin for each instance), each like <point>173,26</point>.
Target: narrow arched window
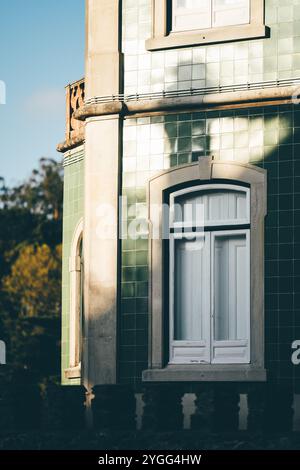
<point>2,353</point>
<point>209,281</point>
<point>76,300</point>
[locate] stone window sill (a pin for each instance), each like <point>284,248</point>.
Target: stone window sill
<point>73,373</point>
<point>208,36</point>
<point>206,373</point>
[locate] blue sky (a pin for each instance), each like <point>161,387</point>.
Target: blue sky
<point>41,51</point>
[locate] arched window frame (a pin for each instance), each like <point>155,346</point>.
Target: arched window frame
<point>76,303</point>
<point>206,171</point>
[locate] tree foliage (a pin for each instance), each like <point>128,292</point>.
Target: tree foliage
<point>30,268</point>
<point>34,281</point>
<point>41,194</point>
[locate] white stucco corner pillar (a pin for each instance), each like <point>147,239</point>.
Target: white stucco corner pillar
<point>102,157</point>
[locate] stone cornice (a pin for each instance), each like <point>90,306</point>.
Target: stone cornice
<point>99,109</point>
<point>191,99</point>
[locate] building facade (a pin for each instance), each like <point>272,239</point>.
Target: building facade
<point>185,104</point>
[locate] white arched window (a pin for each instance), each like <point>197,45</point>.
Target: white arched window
<point>209,282</point>
<point>76,302</point>
<point>206,296</point>
<point>2,353</point>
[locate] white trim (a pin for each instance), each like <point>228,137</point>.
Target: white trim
<point>75,271</point>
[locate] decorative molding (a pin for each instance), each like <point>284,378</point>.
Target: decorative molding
<point>75,94</point>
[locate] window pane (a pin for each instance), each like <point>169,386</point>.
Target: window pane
<point>218,206</point>
<point>191,14</point>
<point>230,12</point>
<point>231,281</point>
<point>226,205</point>
<point>190,209</point>
<point>190,289</point>
<point>191,4</point>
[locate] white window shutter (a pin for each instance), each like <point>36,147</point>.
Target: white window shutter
<point>231,299</point>
<point>190,298</point>
<point>230,12</point>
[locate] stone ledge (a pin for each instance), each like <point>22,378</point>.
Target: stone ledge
<point>71,143</point>
<point>209,373</point>
<point>73,373</point>
<point>209,36</point>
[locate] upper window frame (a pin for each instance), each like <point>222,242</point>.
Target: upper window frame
<point>164,38</point>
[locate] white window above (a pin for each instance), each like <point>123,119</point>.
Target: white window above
<point>181,23</point>
<point>188,15</point>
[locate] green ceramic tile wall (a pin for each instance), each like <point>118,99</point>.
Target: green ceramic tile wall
<point>268,137</point>
<point>277,57</point>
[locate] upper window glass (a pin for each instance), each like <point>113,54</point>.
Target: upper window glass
<point>190,15</point>
<point>210,207</point>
